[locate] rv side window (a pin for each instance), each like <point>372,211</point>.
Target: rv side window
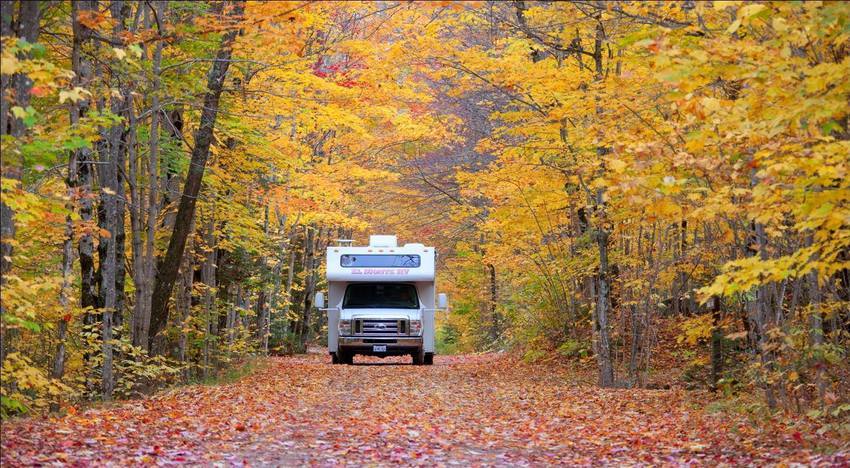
<point>380,261</point>
<point>380,296</point>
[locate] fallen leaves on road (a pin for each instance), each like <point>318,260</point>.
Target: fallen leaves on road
<point>480,410</point>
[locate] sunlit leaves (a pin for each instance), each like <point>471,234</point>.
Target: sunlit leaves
<point>74,95</point>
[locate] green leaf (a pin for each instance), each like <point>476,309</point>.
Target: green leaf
<point>38,50</point>
<point>829,127</point>
<point>823,210</point>
<point>11,405</point>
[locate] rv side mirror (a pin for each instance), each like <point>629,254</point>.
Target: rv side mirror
<point>320,300</point>
<point>442,301</point>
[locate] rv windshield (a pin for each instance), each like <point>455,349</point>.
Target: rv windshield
<point>380,296</point>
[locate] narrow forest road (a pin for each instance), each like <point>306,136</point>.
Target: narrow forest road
<point>479,410</point>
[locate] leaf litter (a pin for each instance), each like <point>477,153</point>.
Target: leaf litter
<point>465,410</point>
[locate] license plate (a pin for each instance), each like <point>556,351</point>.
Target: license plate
<point>379,348</point>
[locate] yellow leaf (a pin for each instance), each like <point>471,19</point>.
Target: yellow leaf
<point>120,53</point>
<point>722,4</point>
<point>8,65</point>
<point>750,10</point>
<point>74,95</point>
<point>617,165</point>
<point>734,26</point>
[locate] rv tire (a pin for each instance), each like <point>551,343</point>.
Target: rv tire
<point>345,357</point>
<point>418,357</point>
<point>429,359</point>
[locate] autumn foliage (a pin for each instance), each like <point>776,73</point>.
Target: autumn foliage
<point>655,193</point>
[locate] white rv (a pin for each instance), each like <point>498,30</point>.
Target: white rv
<point>381,300</point>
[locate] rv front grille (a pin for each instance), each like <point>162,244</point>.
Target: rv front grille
<point>380,327</point>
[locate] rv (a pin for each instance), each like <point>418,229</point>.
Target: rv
<point>381,300</point>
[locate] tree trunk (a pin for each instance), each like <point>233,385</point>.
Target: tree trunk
<point>277,271</point>
<point>307,300</point>
<point>147,268</point>
<point>58,369</point>
<point>716,343</point>
<point>84,159</point>
<point>5,85</point>
<point>167,268</point>
<point>7,227</point>
<point>603,302</point>
<point>111,217</point>
<point>634,355</point>
<point>761,316</point>
<point>816,331</point>
<point>208,279</point>
<point>262,310</point>
<point>495,330</point>
<point>183,305</point>
<point>290,274</point>
<point>27,21</point>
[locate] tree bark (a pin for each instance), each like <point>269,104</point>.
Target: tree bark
<point>816,337</point>
<point>262,310</point>
<point>290,273</point>
<point>146,271</point>
<point>111,217</point>
<point>603,303</point>
<point>208,270</point>
<point>58,368</point>
<point>26,26</point>
<point>495,330</point>
<point>716,342</point>
<point>307,301</point>
<point>602,234</point>
<point>84,159</point>
<point>183,305</point>
<point>167,268</point>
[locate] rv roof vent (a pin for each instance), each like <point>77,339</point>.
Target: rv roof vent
<point>414,246</point>
<point>382,241</point>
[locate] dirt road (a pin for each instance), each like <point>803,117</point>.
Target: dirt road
<point>479,410</point>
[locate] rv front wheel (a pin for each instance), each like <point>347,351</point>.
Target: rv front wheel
<point>345,357</point>
<point>418,357</point>
<point>429,359</point>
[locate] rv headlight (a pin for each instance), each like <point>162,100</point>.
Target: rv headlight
<point>415,327</point>
<point>344,327</point>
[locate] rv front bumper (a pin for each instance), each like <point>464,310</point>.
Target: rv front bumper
<point>395,345</point>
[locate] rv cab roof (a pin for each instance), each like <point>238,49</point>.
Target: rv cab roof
<point>382,260</point>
